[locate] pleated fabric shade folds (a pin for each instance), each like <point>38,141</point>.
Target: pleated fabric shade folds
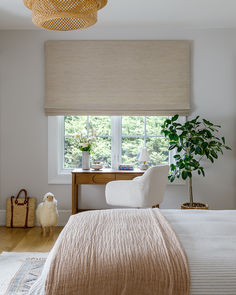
<point>117,77</point>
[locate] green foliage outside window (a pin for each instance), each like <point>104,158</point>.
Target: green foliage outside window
<point>133,139</point>
<point>101,149</point>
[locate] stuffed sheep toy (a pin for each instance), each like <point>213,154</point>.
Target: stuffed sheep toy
<point>47,214</point>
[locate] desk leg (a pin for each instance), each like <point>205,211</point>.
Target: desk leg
<point>74,195</point>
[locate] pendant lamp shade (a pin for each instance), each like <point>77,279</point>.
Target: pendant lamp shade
<point>64,15</point>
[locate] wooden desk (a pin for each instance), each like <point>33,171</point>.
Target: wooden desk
<point>103,176</point>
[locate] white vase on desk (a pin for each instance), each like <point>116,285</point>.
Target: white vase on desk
<point>85,160</point>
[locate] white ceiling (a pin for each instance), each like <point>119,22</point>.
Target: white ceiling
<point>156,13</point>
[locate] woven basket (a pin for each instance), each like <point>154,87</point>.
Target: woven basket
<point>20,211</point>
<point>64,15</point>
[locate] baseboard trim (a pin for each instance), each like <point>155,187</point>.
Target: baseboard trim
<point>64,216</point>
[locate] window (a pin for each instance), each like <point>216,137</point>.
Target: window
<point>85,124</point>
<point>119,139</point>
<point>143,131</point>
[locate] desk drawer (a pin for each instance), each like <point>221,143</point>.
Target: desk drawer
<point>126,176</point>
<point>96,178</point>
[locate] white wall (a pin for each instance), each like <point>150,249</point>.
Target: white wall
<point>23,124</point>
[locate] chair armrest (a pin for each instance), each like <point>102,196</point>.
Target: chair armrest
<point>122,186</point>
<point>126,193</point>
<point>137,178</point>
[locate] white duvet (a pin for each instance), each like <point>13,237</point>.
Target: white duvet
<point>209,239</point>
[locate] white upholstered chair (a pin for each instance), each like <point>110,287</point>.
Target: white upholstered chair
<point>144,191</point>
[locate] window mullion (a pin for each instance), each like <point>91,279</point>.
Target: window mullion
<point>87,125</point>
<point>119,144</point>
<point>61,139</point>
<point>115,141</point>
<point>145,131</point>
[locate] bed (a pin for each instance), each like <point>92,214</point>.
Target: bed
<point>208,239</point>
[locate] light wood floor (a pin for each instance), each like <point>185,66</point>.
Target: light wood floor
<point>26,240</point>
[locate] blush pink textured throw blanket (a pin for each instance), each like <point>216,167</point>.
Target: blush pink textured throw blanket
<point>118,252</point>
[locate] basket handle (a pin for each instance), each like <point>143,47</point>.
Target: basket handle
<point>26,198</point>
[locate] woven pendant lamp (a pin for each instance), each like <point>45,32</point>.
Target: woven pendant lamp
<point>64,15</point>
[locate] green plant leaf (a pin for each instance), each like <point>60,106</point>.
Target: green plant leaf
<point>189,174</point>
<point>204,145</point>
<point>208,133</point>
<point>194,164</point>
<point>177,156</point>
<point>208,122</point>
<point>171,136</point>
<point>181,166</point>
<point>192,149</point>
<point>186,166</point>
<point>214,154</point>
<point>175,118</point>
<point>168,121</point>
<point>172,167</point>
<point>194,121</point>
<point>198,151</point>
<point>176,137</point>
<point>202,170</point>
<point>179,149</point>
<point>176,124</point>
<point>184,174</point>
<point>195,140</point>
<point>211,159</point>
<point>171,147</point>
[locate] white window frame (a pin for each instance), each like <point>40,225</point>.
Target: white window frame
<point>57,174</point>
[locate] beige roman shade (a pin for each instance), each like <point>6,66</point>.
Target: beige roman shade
<point>117,77</point>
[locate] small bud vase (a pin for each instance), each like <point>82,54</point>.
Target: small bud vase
<point>85,160</point>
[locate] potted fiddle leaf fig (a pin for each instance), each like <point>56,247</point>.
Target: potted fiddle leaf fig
<point>193,141</point>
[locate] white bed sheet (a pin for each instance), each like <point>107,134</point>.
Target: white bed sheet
<point>209,239</point>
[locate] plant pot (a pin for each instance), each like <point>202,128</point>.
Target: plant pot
<point>195,205</point>
<point>85,160</point>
